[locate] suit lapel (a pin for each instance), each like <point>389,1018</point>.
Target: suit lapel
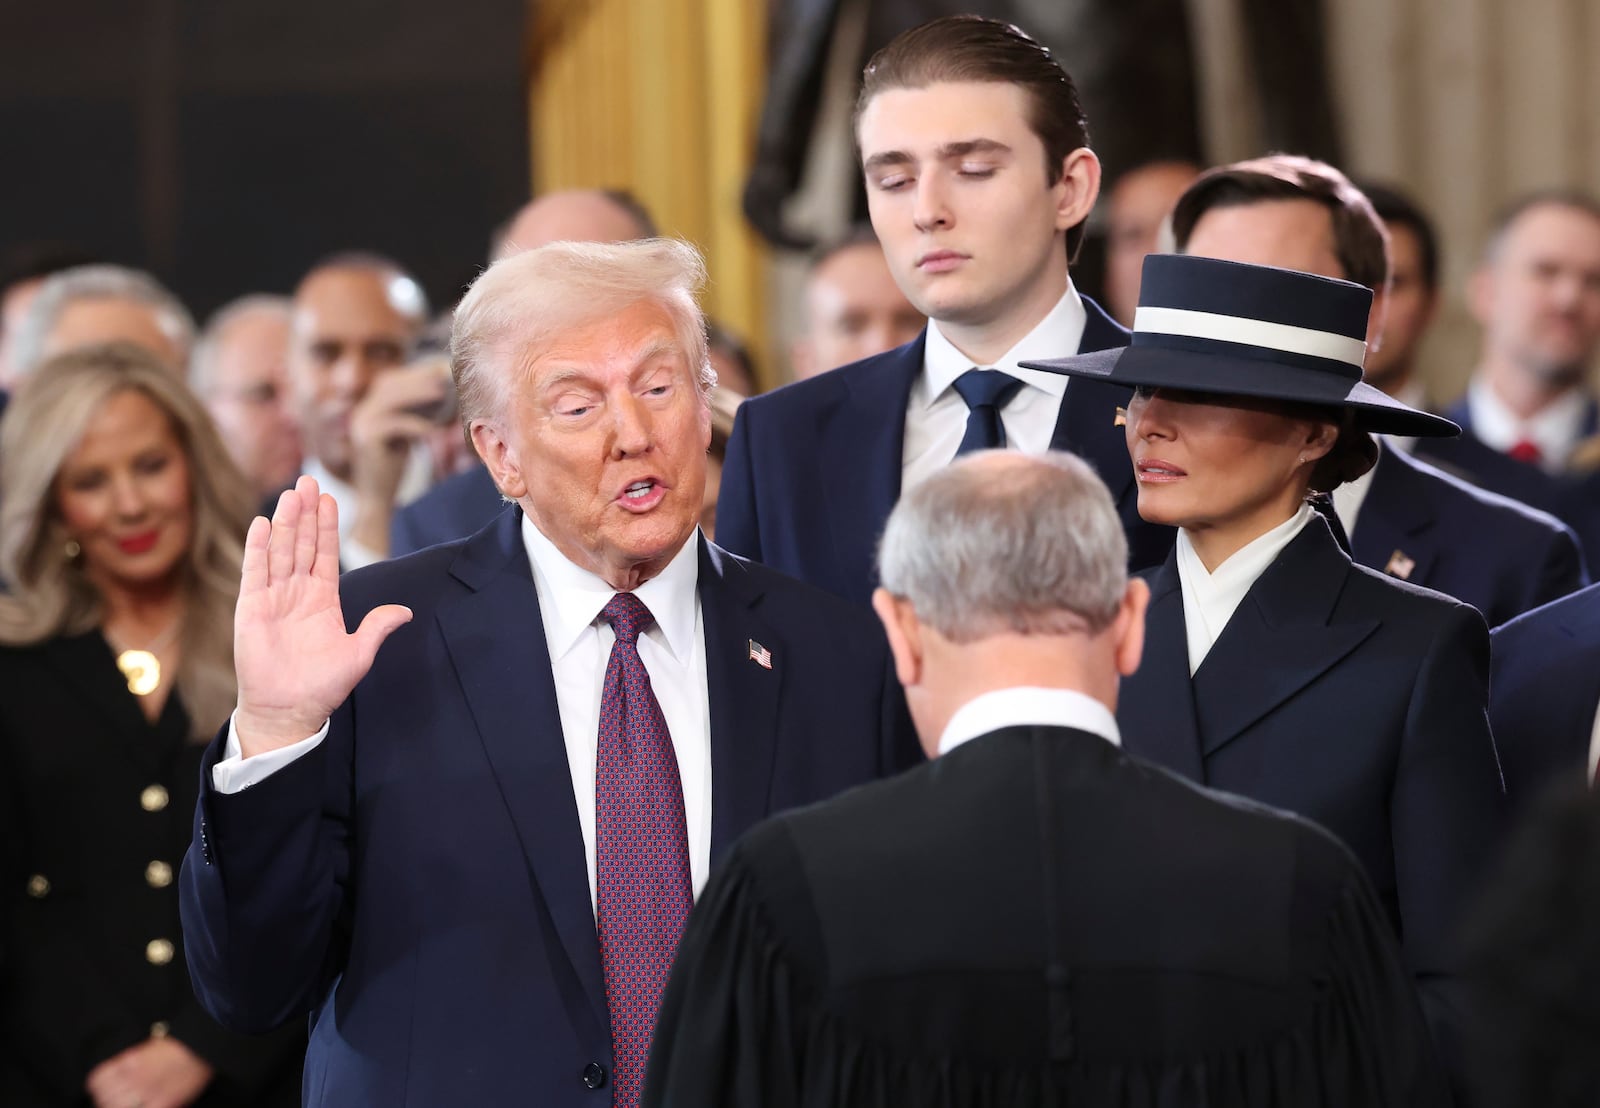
<point>1393,528</point>
<point>743,694</point>
<point>1155,710</point>
<point>861,451</point>
<point>510,691</point>
<point>1086,425</point>
<point>1279,640</point>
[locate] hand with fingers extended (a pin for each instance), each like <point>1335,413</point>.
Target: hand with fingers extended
<point>295,662</point>
<point>399,411</point>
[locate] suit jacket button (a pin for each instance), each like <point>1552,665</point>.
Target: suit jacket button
<point>594,1075</point>
<point>158,952</point>
<point>38,886</point>
<point>158,875</point>
<point>153,798</point>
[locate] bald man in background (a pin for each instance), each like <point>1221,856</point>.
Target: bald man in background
<point>1136,209</point>
<point>853,307</point>
<point>92,304</point>
<point>460,505</point>
<point>356,320</point>
<point>240,371</point>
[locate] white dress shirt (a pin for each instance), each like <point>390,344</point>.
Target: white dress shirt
<point>1554,430</point>
<point>1594,748</point>
<point>1348,497</point>
<point>936,416</point>
<point>413,483</point>
<point>674,654</point>
<point>1028,706</point>
<point>1210,599</point>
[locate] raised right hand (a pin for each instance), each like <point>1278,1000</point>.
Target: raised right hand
<point>295,663</point>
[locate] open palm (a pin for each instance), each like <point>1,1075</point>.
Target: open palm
<point>294,661</point>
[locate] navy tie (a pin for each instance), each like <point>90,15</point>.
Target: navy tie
<point>986,392</point>
<point>643,891</point>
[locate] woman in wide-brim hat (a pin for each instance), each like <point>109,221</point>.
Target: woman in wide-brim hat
<point>1274,666</point>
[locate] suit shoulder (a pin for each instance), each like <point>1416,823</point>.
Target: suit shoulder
<point>1577,614</point>
<point>794,595</point>
<point>1404,602</point>
<point>1451,492</point>
<point>410,579</point>
<point>824,389</point>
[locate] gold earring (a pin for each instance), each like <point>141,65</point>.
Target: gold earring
<point>71,549</point>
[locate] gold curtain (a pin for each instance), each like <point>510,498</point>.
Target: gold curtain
<point>660,97</point>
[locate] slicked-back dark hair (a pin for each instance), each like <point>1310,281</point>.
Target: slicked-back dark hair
<point>1398,209</point>
<point>1359,239</point>
<point>961,48</point>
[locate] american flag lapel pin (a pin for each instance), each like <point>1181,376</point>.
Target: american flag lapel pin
<point>1400,565</point>
<point>760,655</point>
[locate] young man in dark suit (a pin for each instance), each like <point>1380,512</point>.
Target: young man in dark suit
<point>1404,517</point>
<point>979,177</point>
<point>469,857</point>
<point>1034,918</point>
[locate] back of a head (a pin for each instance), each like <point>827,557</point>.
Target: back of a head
<point>1360,241</point>
<point>574,215</point>
<point>972,48</point>
<point>1003,543</point>
<point>98,283</point>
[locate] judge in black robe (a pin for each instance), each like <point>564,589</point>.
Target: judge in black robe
<point>1035,917</point>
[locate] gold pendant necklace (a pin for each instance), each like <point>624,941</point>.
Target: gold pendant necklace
<point>141,668</point>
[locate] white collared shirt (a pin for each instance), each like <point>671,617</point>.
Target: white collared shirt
<point>1210,599</point>
<point>673,652</point>
<point>1594,748</point>
<point>1028,706</point>
<point>413,483</point>
<point>936,416</point>
<point>1555,430</point>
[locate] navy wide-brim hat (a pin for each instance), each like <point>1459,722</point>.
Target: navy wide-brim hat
<point>1230,329</point>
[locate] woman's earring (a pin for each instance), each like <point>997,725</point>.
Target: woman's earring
<point>71,549</point>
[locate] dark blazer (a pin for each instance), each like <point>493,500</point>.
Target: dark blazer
<point>1350,698</point>
<point>813,469</point>
<point>95,812</point>
<point>1037,918</point>
<point>1500,556</point>
<point>418,882</point>
<point>1543,692</point>
<point>453,509</point>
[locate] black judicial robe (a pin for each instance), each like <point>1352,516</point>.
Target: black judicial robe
<point>1036,919</point>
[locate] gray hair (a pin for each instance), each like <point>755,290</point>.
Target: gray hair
<point>96,282</point>
<point>524,302</point>
<point>999,542</point>
<point>203,362</point>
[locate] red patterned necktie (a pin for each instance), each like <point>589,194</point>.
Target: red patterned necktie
<point>642,889</point>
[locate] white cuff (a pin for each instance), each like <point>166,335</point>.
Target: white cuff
<point>234,773</point>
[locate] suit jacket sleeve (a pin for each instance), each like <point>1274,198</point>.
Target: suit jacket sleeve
<point>1447,811</point>
<point>266,885</point>
<point>1561,572</point>
<point>738,529</point>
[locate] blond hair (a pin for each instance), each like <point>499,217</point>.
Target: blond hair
<point>50,594</point>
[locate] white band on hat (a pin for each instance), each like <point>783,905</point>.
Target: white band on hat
<point>1251,332</point>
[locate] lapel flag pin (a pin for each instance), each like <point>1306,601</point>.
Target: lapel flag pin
<point>760,655</point>
<point>1400,565</point>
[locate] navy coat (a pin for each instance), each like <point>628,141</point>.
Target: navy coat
<point>1496,554</point>
<point>453,509</point>
<point>1357,701</point>
<point>813,469</point>
<point>418,881</point>
<point>1543,693</point>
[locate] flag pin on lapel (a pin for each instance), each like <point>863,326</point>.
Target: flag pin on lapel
<point>760,655</point>
<point>1400,565</point>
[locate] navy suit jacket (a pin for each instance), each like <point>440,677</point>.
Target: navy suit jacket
<point>418,881</point>
<point>1494,553</point>
<point>1543,693</point>
<point>813,469</point>
<point>1352,699</point>
<point>453,509</point>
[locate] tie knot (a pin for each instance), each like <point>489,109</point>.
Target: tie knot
<point>627,615</point>
<point>986,388</point>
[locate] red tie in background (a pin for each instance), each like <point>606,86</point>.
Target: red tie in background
<point>643,891</point>
<point>1526,450</point>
